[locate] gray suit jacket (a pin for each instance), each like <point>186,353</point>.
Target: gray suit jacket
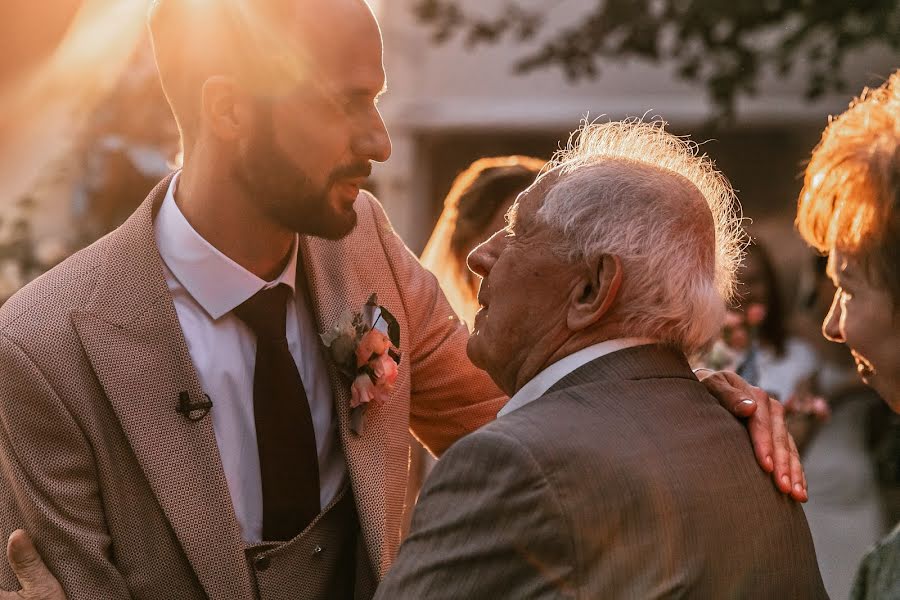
<point>625,480</point>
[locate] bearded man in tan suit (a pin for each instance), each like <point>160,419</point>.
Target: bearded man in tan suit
<point>611,472</point>
<point>136,445</point>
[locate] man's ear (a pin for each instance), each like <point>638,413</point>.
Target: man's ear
<point>596,292</point>
<point>225,108</point>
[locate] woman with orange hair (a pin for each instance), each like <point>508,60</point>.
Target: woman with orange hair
<point>849,210</point>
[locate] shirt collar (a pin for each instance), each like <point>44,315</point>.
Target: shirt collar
<point>215,281</point>
<point>547,378</point>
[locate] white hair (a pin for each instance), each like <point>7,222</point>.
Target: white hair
<point>631,189</point>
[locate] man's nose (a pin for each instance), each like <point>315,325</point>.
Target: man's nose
<point>831,326</point>
<point>372,141</point>
<point>481,260</point>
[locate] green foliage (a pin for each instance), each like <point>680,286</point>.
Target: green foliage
<point>725,45</point>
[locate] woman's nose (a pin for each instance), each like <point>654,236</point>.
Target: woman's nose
<point>831,326</point>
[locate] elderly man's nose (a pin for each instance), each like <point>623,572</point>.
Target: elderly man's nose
<point>478,261</point>
<point>831,326</point>
<point>483,257</point>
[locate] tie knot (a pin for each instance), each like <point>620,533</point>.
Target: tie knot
<point>265,312</point>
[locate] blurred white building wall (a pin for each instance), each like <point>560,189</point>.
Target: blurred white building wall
<point>443,89</point>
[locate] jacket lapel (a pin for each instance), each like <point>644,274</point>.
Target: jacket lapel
<point>132,337</point>
<point>333,287</point>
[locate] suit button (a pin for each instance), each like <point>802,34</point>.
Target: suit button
<point>262,562</point>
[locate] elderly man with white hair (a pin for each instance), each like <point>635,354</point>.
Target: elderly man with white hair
<point>611,472</point>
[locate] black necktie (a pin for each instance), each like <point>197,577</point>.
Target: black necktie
<point>288,461</point>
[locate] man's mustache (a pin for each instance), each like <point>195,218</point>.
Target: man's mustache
<point>351,171</point>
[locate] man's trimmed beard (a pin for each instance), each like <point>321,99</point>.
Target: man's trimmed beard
<point>286,193</point>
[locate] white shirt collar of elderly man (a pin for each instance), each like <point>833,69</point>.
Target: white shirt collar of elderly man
<point>550,376</point>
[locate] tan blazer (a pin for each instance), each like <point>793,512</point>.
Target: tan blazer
<point>626,480</point>
<point>126,497</point>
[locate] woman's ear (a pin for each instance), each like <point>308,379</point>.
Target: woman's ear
<point>596,292</point>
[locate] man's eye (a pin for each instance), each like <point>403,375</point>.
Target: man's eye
<point>361,101</point>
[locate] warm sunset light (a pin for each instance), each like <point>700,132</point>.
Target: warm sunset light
<point>557,316</point>
<point>52,99</point>
<point>98,40</point>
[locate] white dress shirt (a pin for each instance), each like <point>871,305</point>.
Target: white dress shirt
<point>206,286</point>
<point>547,378</point>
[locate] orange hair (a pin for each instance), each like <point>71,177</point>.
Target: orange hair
<point>851,187</point>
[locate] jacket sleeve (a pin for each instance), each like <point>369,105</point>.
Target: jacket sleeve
<point>488,524</point>
<point>450,397</point>
<point>48,484</point>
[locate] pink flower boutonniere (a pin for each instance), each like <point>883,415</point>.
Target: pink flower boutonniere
<point>365,347</point>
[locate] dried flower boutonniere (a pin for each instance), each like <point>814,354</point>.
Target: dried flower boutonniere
<point>365,347</point>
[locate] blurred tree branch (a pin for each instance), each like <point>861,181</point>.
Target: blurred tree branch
<point>725,45</point>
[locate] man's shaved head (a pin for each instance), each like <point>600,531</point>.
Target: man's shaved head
<point>268,46</point>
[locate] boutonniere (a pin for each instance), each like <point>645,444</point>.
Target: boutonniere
<point>365,346</point>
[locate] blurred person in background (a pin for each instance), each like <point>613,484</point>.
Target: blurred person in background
<point>783,364</point>
<point>849,208</point>
<point>756,343</point>
<point>474,209</point>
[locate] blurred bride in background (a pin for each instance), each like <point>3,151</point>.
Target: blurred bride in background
<point>473,210</point>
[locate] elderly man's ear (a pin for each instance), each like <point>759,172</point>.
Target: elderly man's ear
<point>595,293</point>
